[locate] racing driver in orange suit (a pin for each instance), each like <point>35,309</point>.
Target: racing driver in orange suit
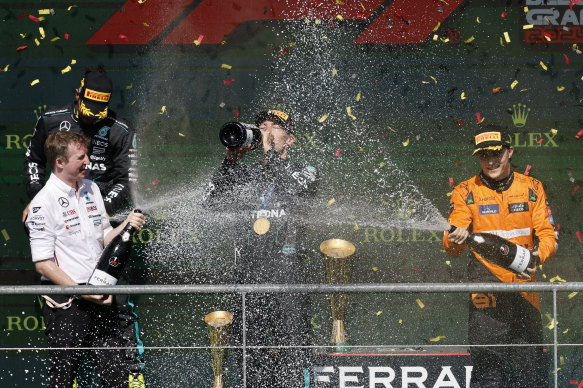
<point>513,206</point>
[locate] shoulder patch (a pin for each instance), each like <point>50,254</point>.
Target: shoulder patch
<point>470,198</point>
<point>532,195</point>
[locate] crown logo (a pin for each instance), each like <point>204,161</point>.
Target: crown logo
<point>519,115</point>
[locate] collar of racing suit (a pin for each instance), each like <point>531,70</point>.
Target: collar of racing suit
<point>501,185</point>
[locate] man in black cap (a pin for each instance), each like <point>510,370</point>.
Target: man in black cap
<point>112,166</point>
<point>272,195</point>
<point>513,206</point>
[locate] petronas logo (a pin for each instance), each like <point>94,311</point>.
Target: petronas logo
<point>519,115</point>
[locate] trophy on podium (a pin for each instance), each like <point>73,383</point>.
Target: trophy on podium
<point>219,327</point>
<point>338,271</point>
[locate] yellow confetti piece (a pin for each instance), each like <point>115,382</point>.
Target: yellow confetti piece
<point>448,262</point>
<point>45,11</point>
<point>339,17</point>
<point>406,143</point>
<point>438,338</point>
<point>70,7</point>
<point>23,36</point>
<point>331,201</point>
<point>196,42</point>
<point>36,81</point>
<point>463,96</point>
<point>129,86</point>
<point>551,325</point>
<point>6,68</point>
<point>435,37</point>
<point>55,39</point>
<point>66,70</point>
<point>421,305</point>
<point>381,164</point>
<point>478,20</point>
<point>180,134</point>
<point>364,9</point>
<point>525,9</point>
<point>389,127</point>
<point>334,72</point>
<point>433,78</point>
<point>5,235</point>
<point>560,88</point>
<point>449,194</point>
<point>379,313</point>
<point>557,279</point>
<point>42,32</point>
<point>562,360</point>
<point>349,112</point>
<point>424,82</point>
<point>400,321</point>
<point>225,66</point>
<point>358,97</point>
<point>36,41</point>
<point>159,333</point>
<point>141,1</point>
<point>513,84</point>
<point>145,24</point>
<point>543,66</point>
<point>548,38</point>
<point>527,26</point>
<point>572,294</point>
<point>375,269</point>
<point>73,61</point>
<point>323,118</point>
<point>436,27</point>
<point>360,149</point>
<point>506,37</point>
<point>163,109</point>
<point>133,102</point>
<point>356,227</point>
<point>469,40</point>
<point>544,276</point>
<point>501,42</point>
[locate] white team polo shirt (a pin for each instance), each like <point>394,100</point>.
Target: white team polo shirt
<point>67,229</point>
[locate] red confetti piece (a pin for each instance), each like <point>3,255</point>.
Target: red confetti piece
<point>338,152</point>
<point>415,269</point>
<point>23,47</point>
<point>450,182</point>
<point>123,37</point>
<point>384,134</point>
<point>566,59</point>
<point>332,22</point>
<point>199,39</point>
<point>578,135</point>
<point>496,90</point>
<point>456,162</point>
<point>376,81</point>
<point>540,141</point>
<point>282,52</point>
<point>479,117</point>
<point>382,151</point>
<point>236,113</point>
<point>547,35</point>
<point>527,171</point>
<point>66,36</point>
<point>24,15</point>
<point>460,123</point>
<point>154,183</point>
<point>33,18</point>
<point>578,236</point>
<point>574,190</point>
<point>227,82</point>
<point>503,16</point>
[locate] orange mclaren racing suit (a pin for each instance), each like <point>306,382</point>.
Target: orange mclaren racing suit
<point>517,210</point>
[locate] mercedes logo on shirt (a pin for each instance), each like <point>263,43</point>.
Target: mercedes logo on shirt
<point>63,202</point>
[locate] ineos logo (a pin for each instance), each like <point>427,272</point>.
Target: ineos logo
<point>65,126</point>
<point>63,202</point>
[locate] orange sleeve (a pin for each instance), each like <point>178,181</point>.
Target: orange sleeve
<point>460,215</point>
<point>547,245</point>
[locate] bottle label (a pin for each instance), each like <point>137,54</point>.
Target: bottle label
<point>101,278</point>
<point>521,259</point>
<point>248,139</point>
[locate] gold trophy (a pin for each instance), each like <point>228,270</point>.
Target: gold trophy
<point>219,327</point>
<point>338,271</point>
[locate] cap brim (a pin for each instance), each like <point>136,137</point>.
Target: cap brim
<point>492,148</point>
<point>91,108</point>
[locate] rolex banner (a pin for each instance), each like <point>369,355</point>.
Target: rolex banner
<point>384,98</point>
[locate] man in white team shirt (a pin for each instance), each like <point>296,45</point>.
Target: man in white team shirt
<point>69,228</point>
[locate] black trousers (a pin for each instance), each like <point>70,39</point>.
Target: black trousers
<point>506,318</point>
<point>274,320</point>
<point>85,324</point>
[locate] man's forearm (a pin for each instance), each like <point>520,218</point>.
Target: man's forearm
<point>54,273</point>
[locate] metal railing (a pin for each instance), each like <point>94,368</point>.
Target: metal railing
<point>244,289</point>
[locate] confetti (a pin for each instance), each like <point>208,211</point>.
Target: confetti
<point>73,61</point>
<point>129,86</point>
<point>180,134</point>
<point>283,51</point>
<point>503,15</point>
<point>66,35</point>
<point>572,294</point>
<point>565,331</point>
<point>41,32</point>
<point>479,118</point>
<point>358,97</point>
<point>36,81</point>
<point>540,141</point>
<point>545,68</point>
<point>421,305</point>
<point>478,20</point>
<point>228,82</point>
<point>5,234</point>
<point>163,109</point>
<point>557,279</point>
<point>578,236</point>
<point>497,90</point>
<point>349,112</point>
<point>527,171</point>
<point>34,18</point>
<point>339,17</point>
<point>198,40</point>
<point>573,192</point>
<point>579,134</point>
<point>469,40</point>
<point>506,37</point>
<point>66,70</point>
<point>46,11</point>
<point>560,88</point>
<point>21,48</point>
<point>236,113</point>
<point>123,37</point>
<point>448,263</point>
<point>6,68</point>
<point>225,66</point>
<point>459,122</point>
<point>513,84</point>
<point>334,72</point>
<point>375,269</point>
<point>337,152</point>
<point>437,26</point>
<point>379,313</point>
<point>433,78</point>
<point>55,39</point>
<point>438,338</point>
<point>145,24</point>
<point>527,26</point>
<point>154,183</point>
<point>406,143</point>
<point>554,131</point>
<point>323,118</point>
<point>36,41</point>
<point>566,59</point>
<point>331,202</point>
<point>450,182</point>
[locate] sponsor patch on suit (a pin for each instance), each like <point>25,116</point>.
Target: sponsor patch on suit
<point>518,207</point>
<point>490,209</point>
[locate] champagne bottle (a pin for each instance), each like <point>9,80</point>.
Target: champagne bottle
<point>235,135</point>
<point>501,251</point>
<point>114,258</point>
